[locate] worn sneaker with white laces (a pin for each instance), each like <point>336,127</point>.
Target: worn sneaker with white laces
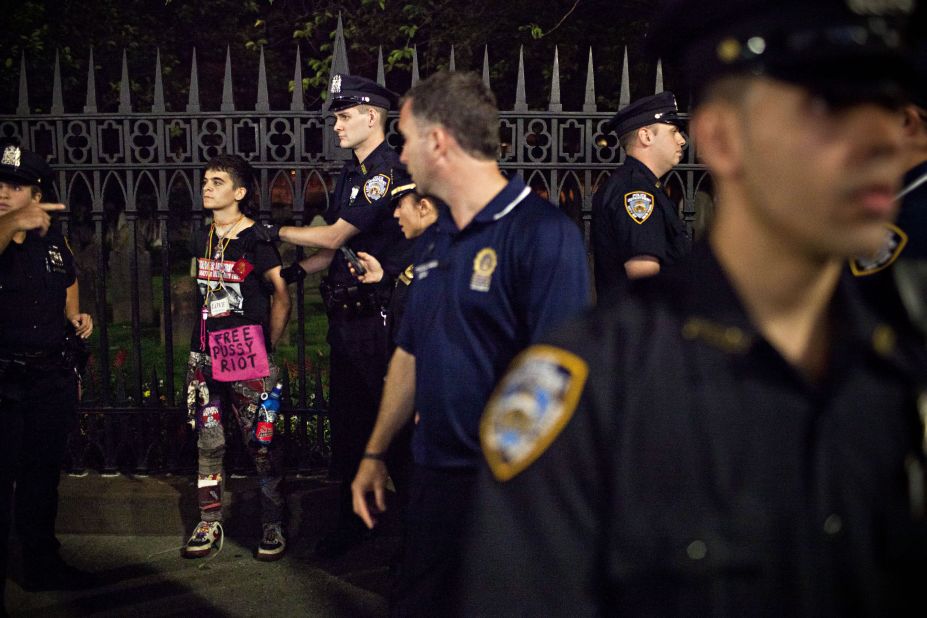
<point>273,544</point>
<point>206,534</point>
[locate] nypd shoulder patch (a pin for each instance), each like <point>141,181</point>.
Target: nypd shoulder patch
<point>530,407</point>
<point>376,187</point>
<point>892,246</point>
<point>639,205</point>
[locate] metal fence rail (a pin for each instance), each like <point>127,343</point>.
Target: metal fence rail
<point>139,171</point>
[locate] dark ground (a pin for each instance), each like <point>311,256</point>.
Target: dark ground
<point>128,532</point>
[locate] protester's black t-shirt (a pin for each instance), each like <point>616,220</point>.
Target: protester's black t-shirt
<point>239,271</point>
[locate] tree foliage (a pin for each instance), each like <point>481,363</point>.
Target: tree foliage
<point>278,26</point>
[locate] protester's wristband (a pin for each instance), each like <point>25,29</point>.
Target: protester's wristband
<point>377,456</point>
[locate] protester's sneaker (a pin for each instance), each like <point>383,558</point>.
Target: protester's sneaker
<point>273,544</point>
<point>206,534</point>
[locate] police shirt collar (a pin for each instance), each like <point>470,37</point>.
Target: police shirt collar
<point>375,155</point>
<point>716,315</point>
<point>646,171</point>
<point>505,201</point>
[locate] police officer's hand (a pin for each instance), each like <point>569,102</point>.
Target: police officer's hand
<point>371,479</point>
<point>33,217</point>
<point>267,232</point>
<point>371,265</point>
<point>83,324</point>
<point>292,273</point>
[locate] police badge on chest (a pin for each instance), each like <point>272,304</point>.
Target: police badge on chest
<point>54,261</point>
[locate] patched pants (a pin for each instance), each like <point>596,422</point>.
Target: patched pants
<point>211,404</point>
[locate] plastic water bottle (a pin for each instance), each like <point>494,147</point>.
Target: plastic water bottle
<point>267,416</point>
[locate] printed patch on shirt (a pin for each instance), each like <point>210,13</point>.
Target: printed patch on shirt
<point>892,246</point>
<point>376,187</point>
<point>530,407</point>
<point>223,270</point>
<point>484,264</point>
<point>639,205</point>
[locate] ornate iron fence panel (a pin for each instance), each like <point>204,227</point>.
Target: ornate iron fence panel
<point>131,181</point>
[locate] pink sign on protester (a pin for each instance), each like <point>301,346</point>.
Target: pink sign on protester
<point>238,354</point>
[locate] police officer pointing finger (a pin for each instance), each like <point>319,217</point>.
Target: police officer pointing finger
<point>38,383</point>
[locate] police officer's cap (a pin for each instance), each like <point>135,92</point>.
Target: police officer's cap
<point>846,51</point>
<point>350,90</point>
<point>657,108</point>
<point>24,167</point>
<point>402,186</point>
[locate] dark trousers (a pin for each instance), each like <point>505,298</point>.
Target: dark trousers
<point>33,435</point>
<point>359,350</point>
<point>440,504</point>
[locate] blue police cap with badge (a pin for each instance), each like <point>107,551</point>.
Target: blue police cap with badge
<point>350,90</point>
<point>846,51</point>
<point>24,167</point>
<point>658,108</point>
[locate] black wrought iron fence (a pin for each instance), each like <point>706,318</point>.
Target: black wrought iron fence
<point>131,182</point>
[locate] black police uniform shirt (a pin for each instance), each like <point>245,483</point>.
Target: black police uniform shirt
<point>661,458</point>
<point>34,278</point>
<point>906,239</point>
<point>239,270</point>
<point>361,198</point>
<point>632,216</point>
<point>481,295</point>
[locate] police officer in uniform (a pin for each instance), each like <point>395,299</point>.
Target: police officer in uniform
<point>894,278</point>
<point>498,269</point>
<point>360,218</point>
<point>740,435</point>
<point>635,227</point>
<point>38,381</point>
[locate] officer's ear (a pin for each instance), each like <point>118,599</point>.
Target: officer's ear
<point>914,120</point>
<point>717,128</point>
<point>645,136</point>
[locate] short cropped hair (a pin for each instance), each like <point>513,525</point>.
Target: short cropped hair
<point>381,113</point>
<point>462,104</point>
<point>241,173</point>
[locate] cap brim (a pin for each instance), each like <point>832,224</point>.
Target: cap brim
<point>12,175</point>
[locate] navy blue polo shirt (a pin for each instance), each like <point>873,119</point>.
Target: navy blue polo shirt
<point>361,198</point>
<point>480,295</point>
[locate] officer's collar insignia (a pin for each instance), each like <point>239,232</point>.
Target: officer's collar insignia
<point>12,155</point>
<point>336,84</point>
<point>484,264</point>
<point>639,205</point>
<point>376,187</point>
<point>408,275</point>
<point>892,246</point>
<point>530,407</point>
<point>728,339</point>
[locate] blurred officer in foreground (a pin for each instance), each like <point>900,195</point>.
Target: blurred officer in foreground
<point>498,269</point>
<point>894,278</point>
<point>635,227</point>
<point>360,218</point>
<point>38,383</point>
<point>741,437</point>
